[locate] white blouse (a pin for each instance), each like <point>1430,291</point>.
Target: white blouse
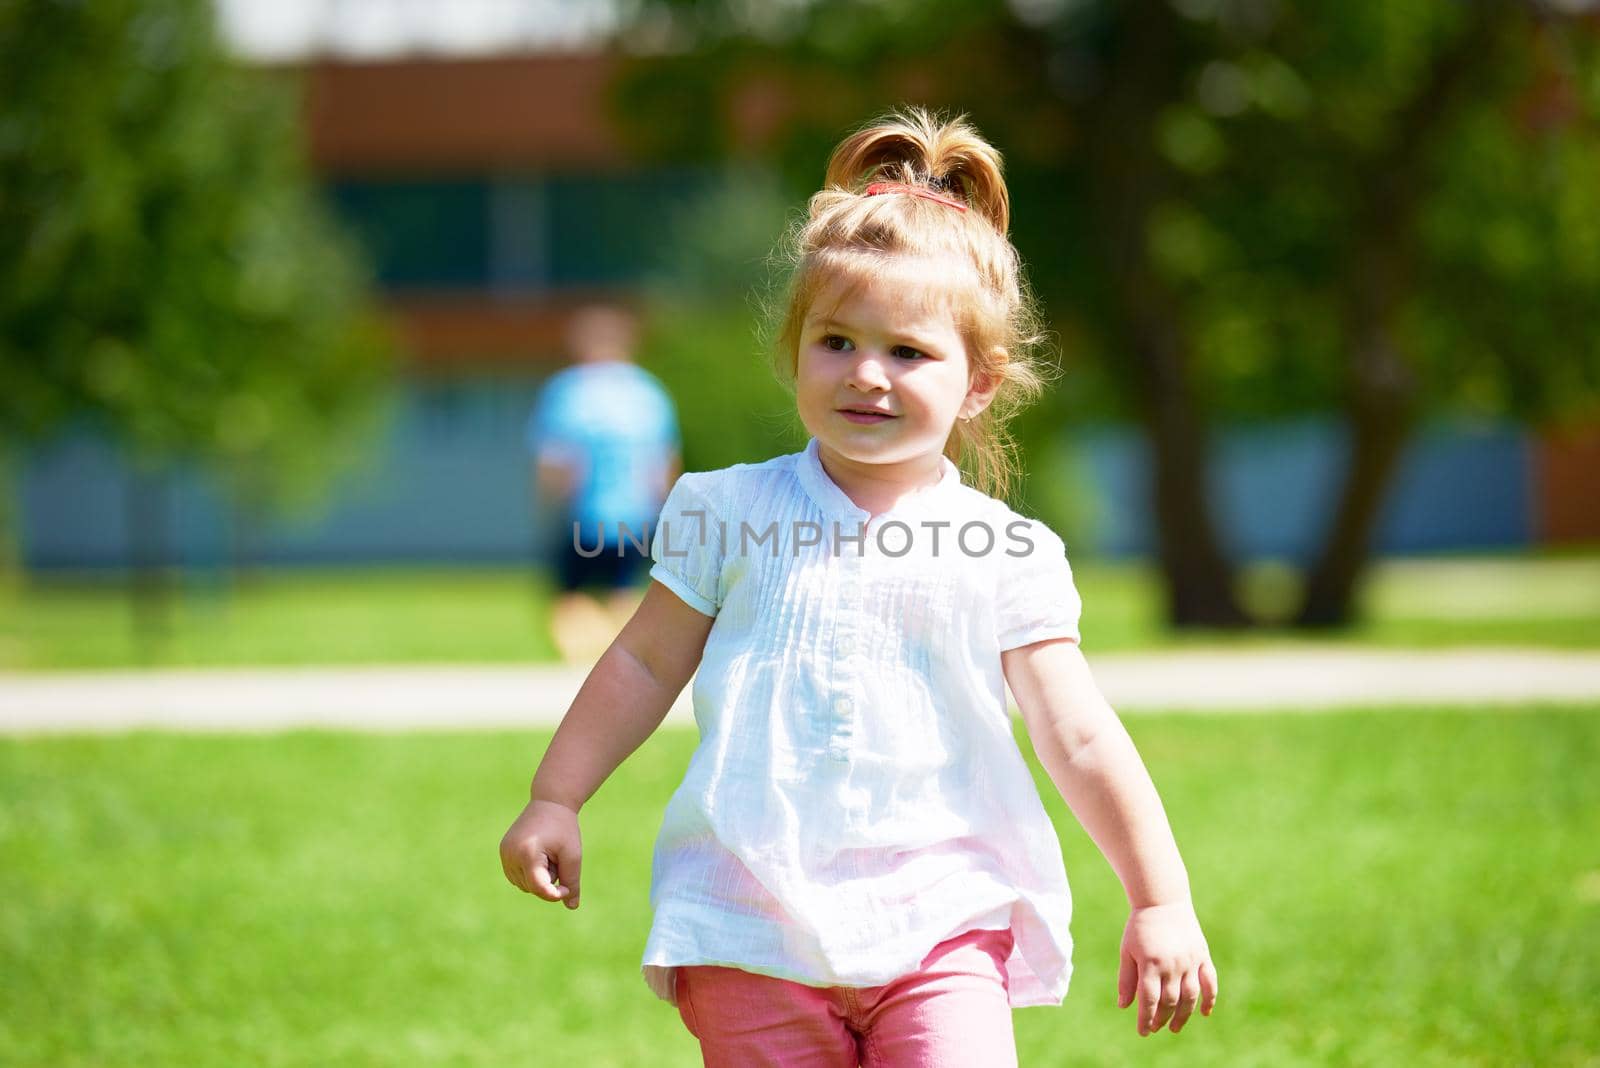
<point>857,796</point>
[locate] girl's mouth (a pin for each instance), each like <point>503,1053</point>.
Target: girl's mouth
<point>864,417</point>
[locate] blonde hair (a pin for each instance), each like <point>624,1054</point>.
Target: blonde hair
<point>848,237</point>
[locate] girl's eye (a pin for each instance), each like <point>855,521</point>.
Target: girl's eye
<point>910,353</point>
<point>835,343</point>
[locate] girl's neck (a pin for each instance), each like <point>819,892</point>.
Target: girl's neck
<point>879,488</point>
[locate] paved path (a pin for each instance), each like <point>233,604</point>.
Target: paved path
<point>397,698</point>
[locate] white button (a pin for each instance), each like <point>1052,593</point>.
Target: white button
<point>843,706</point>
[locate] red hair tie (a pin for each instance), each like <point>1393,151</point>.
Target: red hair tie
<point>915,190</point>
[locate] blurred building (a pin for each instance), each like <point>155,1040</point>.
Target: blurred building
<point>493,196</point>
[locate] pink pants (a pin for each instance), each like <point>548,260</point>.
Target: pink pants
<point>953,1010</point>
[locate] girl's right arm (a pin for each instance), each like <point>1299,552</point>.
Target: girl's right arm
<point>1165,961</point>
<point>619,705</point>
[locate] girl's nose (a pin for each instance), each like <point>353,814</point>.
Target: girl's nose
<point>868,373</point>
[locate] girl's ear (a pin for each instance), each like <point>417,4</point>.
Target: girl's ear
<point>981,390</point>
<point>978,397</point>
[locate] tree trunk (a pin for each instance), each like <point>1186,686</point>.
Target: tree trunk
<point>1381,412</point>
<point>246,517</point>
<point>1129,177</point>
<point>1199,577</point>
<point>149,584</point>
<point>10,521</point>
<point>1382,393</point>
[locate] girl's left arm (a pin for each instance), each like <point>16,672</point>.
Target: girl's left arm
<point>1089,756</point>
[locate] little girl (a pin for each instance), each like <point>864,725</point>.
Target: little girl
<point>857,866</point>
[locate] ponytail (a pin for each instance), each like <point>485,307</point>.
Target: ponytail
<point>913,148</point>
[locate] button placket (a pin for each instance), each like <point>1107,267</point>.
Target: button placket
<point>842,706</point>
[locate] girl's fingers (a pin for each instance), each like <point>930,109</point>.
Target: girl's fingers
<point>1149,998</point>
<point>544,875</point>
<point>1208,987</point>
<point>571,869</point>
<point>1127,981</point>
<point>513,876</point>
<point>1171,991</point>
<point>1188,995</point>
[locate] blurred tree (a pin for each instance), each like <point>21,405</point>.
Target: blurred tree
<point>731,408</point>
<point>166,272</point>
<point>1230,208</point>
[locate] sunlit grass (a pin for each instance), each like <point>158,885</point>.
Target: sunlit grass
<point>345,616</point>
<point>1380,888</point>
<point>285,617</point>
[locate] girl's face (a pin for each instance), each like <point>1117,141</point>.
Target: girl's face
<point>880,380</point>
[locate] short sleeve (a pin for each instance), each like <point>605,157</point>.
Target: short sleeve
<point>665,422</point>
<point>687,544</point>
<point>1037,598</point>
<point>547,423</point>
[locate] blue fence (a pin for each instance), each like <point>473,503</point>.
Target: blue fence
<point>450,483</point>
<point>1460,486</point>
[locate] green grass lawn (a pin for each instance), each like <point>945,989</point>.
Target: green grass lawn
<point>378,615</point>
<point>287,617</point>
<point>1379,888</point>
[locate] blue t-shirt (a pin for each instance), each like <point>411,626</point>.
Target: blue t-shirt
<point>613,424</point>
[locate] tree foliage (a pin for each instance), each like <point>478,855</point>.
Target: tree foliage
<point>708,309</point>
<point>166,270</point>
<point>1231,208</point>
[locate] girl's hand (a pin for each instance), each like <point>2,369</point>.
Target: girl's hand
<point>1166,961</point>
<point>542,853</point>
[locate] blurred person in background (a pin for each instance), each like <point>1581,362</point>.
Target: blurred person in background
<point>603,439</point>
